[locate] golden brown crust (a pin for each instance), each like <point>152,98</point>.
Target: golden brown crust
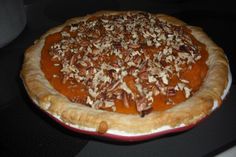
<point>188,112</point>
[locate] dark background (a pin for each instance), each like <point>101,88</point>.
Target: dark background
<point>26,131</point>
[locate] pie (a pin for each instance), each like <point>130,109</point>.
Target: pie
<point>126,73</point>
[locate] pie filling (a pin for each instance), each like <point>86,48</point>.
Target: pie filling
<point>130,63</point>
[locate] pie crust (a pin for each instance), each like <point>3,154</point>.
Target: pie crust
<point>189,112</point>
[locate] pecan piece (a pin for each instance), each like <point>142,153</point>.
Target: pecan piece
<point>89,82</point>
<point>131,70</point>
<point>113,86</point>
<point>143,67</point>
<point>117,45</point>
<point>127,58</point>
<point>145,112</point>
<point>84,42</point>
<point>65,78</point>
<point>91,70</point>
<point>171,91</point>
<point>155,71</point>
<point>116,65</point>
<point>134,46</point>
<point>93,34</point>
<point>185,48</point>
<point>143,75</point>
<point>73,60</point>
<point>113,74</point>
<point>169,101</point>
<point>137,59</point>
<point>101,96</point>
<point>118,93</point>
<point>125,99</point>
<point>155,90</point>
<point>141,104</point>
<point>82,71</point>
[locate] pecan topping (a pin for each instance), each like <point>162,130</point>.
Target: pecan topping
<point>125,56</point>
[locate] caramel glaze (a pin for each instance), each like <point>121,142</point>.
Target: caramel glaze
<point>195,75</point>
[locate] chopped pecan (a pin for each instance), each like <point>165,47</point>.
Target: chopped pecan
<point>91,55</point>
<point>93,34</point>
<point>109,96</point>
<point>89,82</point>
<point>73,59</point>
<point>95,51</point>
<point>141,103</point>
<point>163,62</point>
<point>101,96</point>
<point>143,75</point>
<point>171,91</point>
<point>169,101</point>
<point>143,67</point>
<point>118,93</point>
<point>90,74</point>
<point>125,100</point>
<point>137,59</point>
<point>155,90</point>
<point>84,42</point>
<point>89,63</point>
<point>145,112</point>
<point>127,58</point>
<point>134,46</point>
<point>185,48</point>
<point>131,70</point>
<point>154,71</point>
<point>102,86</point>
<point>113,74</point>
<point>113,86</point>
<point>91,70</point>
<point>82,71</point>
<point>65,78</point>
<point>116,65</point>
<point>117,45</point>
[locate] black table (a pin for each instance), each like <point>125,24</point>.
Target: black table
<point>27,131</point>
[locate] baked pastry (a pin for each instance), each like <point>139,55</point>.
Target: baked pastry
<point>126,73</point>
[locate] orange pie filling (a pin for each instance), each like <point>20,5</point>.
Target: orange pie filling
<point>130,63</point>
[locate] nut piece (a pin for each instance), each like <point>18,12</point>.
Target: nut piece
<point>103,127</point>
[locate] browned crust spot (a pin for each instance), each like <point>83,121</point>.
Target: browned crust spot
<point>103,127</point>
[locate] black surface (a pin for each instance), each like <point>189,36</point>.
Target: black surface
<point>27,131</point>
